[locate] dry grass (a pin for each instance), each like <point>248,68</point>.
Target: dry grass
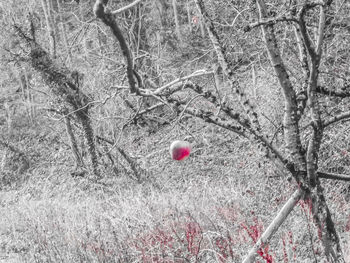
<point>209,208</point>
<point>186,217</point>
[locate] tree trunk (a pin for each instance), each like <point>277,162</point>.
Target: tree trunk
<point>177,23</point>
<point>73,142</point>
<point>64,32</point>
<point>49,26</point>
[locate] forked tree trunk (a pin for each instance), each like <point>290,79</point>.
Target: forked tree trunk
<point>305,161</point>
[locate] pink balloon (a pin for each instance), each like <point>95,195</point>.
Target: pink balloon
<point>180,150</point>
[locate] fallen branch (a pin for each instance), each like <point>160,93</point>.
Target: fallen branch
<point>273,227</point>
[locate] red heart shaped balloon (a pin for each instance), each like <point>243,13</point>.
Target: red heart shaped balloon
<point>180,150</point>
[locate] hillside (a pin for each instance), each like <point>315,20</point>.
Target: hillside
<point>93,93</point>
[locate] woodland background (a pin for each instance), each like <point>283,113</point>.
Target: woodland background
<point>84,131</point>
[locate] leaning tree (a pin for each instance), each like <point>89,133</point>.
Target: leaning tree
<point>303,45</point>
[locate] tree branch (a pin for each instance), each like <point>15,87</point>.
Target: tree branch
<point>270,22</point>
<point>302,93</point>
<point>247,104</point>
<point>335,93</point>
<point>259,137</point>
<point>273,227</point>
<point>197,73</point>
<point>120,10</point>
<point>109,20</point>
<point>333,176</point>
<point>321,29</point>
<point>337,118</point>
<point>210,118</point>
<point>303,30</point>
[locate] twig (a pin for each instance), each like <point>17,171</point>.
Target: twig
<point>197,73</point>
<point>191,100</point>
<point>270,22</point>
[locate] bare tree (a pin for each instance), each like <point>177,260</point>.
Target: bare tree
<point>299,154</point>
<point>64,83</point>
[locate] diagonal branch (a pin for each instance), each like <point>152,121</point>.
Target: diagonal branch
<point>259,137</point>
<point>247,104</point>
<point>210,118</point>
<point>273,227</point>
